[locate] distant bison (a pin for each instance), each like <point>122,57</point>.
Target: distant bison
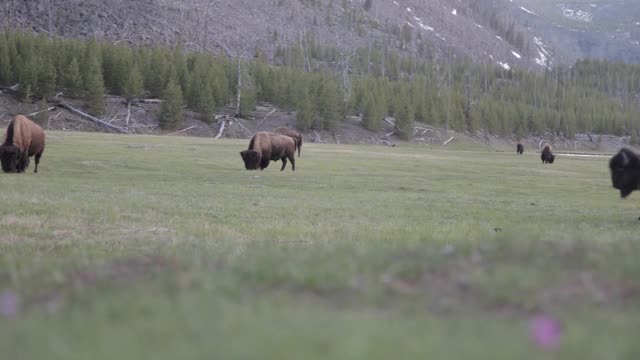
<point>23,139</point>
<point>292,134</point>
<point>519,148</point>
<point>265,146</point>
<point>546,155</point>
<point>625,171</point>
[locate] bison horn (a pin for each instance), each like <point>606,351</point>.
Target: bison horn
<point>625,159</point>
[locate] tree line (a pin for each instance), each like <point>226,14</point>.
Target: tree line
<point>323,85</point>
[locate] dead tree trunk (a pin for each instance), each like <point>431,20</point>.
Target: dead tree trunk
<point>94,119</point>
<point>50,11</point>
<point>126,121</point>
<point>239,89</point>
<point>222,125</point>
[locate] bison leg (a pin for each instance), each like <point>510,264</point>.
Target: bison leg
<point>292,158</point>
<point>264,163</point>
<point>284,163</point>
<point>38,156</point>
<point>23,163</point>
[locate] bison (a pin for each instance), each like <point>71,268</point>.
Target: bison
<point>23,139</point>
<point>292,134</point>
<point>625,171</point>
<point>547,156</point>
<point>519,148</point>
<point>265,146</point>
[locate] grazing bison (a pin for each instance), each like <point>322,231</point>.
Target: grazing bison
<point>292,134</point>
<point>519,148</point>
<point>265,146</point>
<point>23,139</point>
<point>625,171</point>
<point>546,155</point>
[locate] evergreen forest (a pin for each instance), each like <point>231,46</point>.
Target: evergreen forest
<point>323,85</point>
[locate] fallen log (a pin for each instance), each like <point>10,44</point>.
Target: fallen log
<point>13,90</point>
<point>448,141</point>
<point>265,118</point>
<point>389,122</point>
<point>183,130</point>
<point>221,129</point>
<point>244,128</point>
<point>51,108</point>
<point>148,101</point>
<point>126,121</point>
<point>92,118</point>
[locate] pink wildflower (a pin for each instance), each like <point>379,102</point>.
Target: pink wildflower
<point>9,303</point>
<point>545,331</point>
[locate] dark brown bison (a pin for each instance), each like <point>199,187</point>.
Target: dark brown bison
<point>292,134</point>
<point>519,148</point>
<point>265,146</point>
<point>547,156</point>
<point>23,139</point>
<point>625,171</point>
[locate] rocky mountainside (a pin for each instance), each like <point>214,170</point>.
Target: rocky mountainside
<point>522,33</point>
<point>239,27</point>
<point>605,29</point>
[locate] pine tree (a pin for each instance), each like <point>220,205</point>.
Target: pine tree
<point>5,61</point>
<point>26,93</point>
<point>304,112</point>
<point>134,83</point>
<point>14,57</point>
<point>28,77</point>
<point>404,117</point>
<point>248,101</point>
<point>219,84</point>
<point>72,80</point>
<point>180,66</point>
<point>372,113</point>
<point>200,93</point>
<point>156,73</point>
<point>171,112</point>
<point>94,86</point>
<point>328,103</point>
<point>47,76</point>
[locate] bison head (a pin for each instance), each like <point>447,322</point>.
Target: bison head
<point>9,157</point>
<point>251,159</point>
<point>551,158</point>
<point>625,171</point>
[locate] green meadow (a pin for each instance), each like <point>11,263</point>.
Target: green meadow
<point>136,247</point>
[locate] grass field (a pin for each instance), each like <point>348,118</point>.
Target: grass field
<point>127,247</point>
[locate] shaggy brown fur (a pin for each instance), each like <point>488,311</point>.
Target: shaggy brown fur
<point>265,147</point>
<point>547,156</point>
<point>292,134</point>
<point>520,148</point>
<point>23,139</point>
<point>625,171</point>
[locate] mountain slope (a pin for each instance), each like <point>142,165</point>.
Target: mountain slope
<point>604,29</point>
<point>239,27</point>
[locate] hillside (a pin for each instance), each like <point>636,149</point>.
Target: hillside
<point>396,68</point>
<point>603,29</point>
<point>521,33</point>
<point>240,27</point>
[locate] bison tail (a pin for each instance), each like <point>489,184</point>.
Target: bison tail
<point>299,145</point>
